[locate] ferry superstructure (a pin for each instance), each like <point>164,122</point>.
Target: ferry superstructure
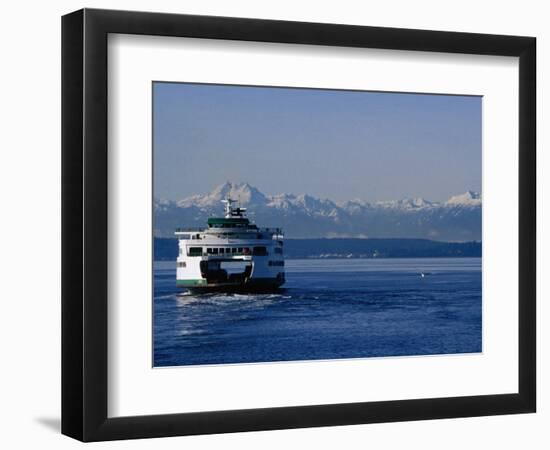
<point>231,254</point>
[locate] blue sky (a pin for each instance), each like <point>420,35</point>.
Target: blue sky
<point>327,143</point>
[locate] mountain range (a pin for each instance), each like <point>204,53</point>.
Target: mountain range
<point>304,216</point>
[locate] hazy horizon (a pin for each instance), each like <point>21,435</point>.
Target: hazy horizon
<point>338,145</point>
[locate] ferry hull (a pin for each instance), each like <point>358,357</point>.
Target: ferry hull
<point>258,285</point>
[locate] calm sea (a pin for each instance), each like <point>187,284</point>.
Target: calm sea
<point>328,309</point>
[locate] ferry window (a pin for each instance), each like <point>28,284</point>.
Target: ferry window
<point>276,263</point>
<point>240,250</point>
<point>222,250</point>
<point>259,251</point>
<point>246,250</point>
<point>215,251</point>
<point>234,250</point>
<point>278,250</point>
<point>209,251</point>
<point>194,251</point>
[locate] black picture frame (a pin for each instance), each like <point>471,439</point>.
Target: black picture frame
<point>84,224</point>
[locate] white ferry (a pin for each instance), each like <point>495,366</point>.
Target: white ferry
<point>232,254</point>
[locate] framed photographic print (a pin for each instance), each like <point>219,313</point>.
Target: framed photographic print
<point>273,224</point>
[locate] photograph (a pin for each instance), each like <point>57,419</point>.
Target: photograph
<point>301,224</point>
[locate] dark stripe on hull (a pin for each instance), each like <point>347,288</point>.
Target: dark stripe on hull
<point>252,285</point>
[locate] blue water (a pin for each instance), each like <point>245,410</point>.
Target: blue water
<point>341,308</point>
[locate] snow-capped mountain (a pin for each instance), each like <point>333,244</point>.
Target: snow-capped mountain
<point>468,198</point>
<point>305,216</point>
<point>245,193</point>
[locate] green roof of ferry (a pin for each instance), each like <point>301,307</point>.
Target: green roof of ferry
<point>227,221</point>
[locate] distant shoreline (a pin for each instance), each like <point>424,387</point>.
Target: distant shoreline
<point>353,258</point>
<point>166,249</point>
